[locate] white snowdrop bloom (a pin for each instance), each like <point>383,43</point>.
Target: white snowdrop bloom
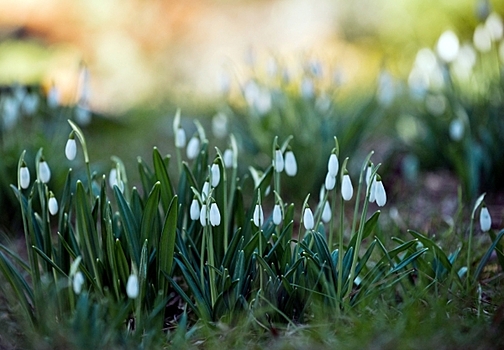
<point>279,161</point>
<point>369,171</point>
<point>277,214</point>
<point>44,171</point>
<point>194,211</point>
<point>193,147</point>
<point>456,129</point>
<point>482,39</point>
<point>346,188</point>
<point>330,182</point>
<point>290,163</point>
<point>485,219</point>
<point>71,148</point>
<point>24,176</point>
<point>30,103</point>
<point>379,194</point>
<point>78,282</point>
<point>10,112</point>
<point>227,157</point>
<point>205,190</point>
<point>326,212</point>
<point>53,97</point>
<point>203,215</point>
<point>308,219</point>
<point>322,193</point>
<point>113,177</point>
<point>448,46</point>
<point>219,125</point>
<point>494,26</point>
<point>215,217</point>
<point>215,170</point>
<point>333,165</point>
<point>132,286</point>
<point>463,65</point>
<point>82,114</point>
<point>52,204</point>
<point>180,138</point>
<point>258,216</point>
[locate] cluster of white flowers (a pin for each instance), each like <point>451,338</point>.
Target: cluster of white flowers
<point>287,163</point>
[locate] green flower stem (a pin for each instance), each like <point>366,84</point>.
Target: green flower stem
<point>82,140</point>
<point>477,204</point>
<point>202,257</point>
<point>211,270</point>
<point>340,252</point>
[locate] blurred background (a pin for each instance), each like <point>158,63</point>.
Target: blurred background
<point>419,81</point>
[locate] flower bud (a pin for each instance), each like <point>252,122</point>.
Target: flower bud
<point>346,187</point>
<point>290,163</point>
<point>24,176</point>
<point>215,170</point>
<point>215,217</point>
<point>194,210</point>
<point>279,161</point>
<point>485,219</point>
<point>52,204</point>
<point>132,286</point>
<point>71,147</point>
<point>180,138</point>
<point>326,212</point>
<point>333,165</point>
<point>44,171</point>
<point>193,147</point>
<point>308,219</point>
<point>330,182</point>
<point>258,216</point>
<point>277,214</point>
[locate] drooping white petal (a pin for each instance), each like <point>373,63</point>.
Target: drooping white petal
<point>485,219</point>
<point>71,149</point>
<point>258,216</point>
<point>228,158</point>
<point>78,282</point>
<point>205,191</point>
<point>113,177</point>
<point>180,138</point>
<point>290,163</point>
<point>194,210</point>
<point>132,287</point>
<point>326,212</point>
<point>24,177</point>
<point>308,219</point>
<point>203,215</point>
<point>333,165</point>
<point>372,190</point>
<point>53,205</point>
<point>346,188</point>
<point>277,214</point>
<point>215,170</point>
<point>380,194</point>
<point>44,172</point>
<point>279,161</point>
<point>369,171</point>
<point>330,181</point>
<point>215,217</point>
<point>193,147</point>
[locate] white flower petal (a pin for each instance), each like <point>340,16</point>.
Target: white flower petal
<point>193,147</point>
<point>215,170</point>
<point>44,172</point>
<point>279,161</point>
<point>180,138</point>
<point>308,219</point>
<point>327,212</point>
<point>132,286</point>
<point>333,165</point>
<point>78,282</point>
<point>277,214</point>
<point>194,210</point>
<point>53,205</point>
<point>215,217</point>
<point>380,194</point>
<point>71,149</point>
<point>330,182</point>
<point>203,215</point>
<point>258,216</point>
<point>205,191</point>
<point>290,163</point>
<point>346,188</point>
<point>228,158</point>
<point>24,177</point>
<point>485,219</point>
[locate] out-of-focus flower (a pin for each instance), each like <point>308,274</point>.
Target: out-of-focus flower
<point>215,217</point>
<point>180,138</point>
<point>308,219</point>
<point>456,129</point>
<point>193,147</point>
<point>277,214</point>
<point>227,157</point>
<point>482,39</point>
<point>132,286</point>
<point>485,219</point>
<point>448,46</point>
<point>290,163</point>
<point>219,125</point>
<point>78,282</point>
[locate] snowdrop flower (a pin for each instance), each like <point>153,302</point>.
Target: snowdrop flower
<point>308,219</point>
<point>378,193</point>
<point>132,286</point>
<point>227,157</point>
<point>52,204</point>
<point>24,176</point>
<point>369,171</point>
<point>448,46</point>
<point>193,147</point>
<point>482,39</point>
<point>78,282</point>
<point>71,147</point>
<point>333,165</point>
<point>456,129</point>
<point>53,97</point>
<point>44,171</point>
<point>215,174</point>
<point>258,216</point>
<point>494,26</point>
<point>279,161</point>
<point>194,211</point>
<point>277,214</point>
<point>180,138</point>
<point>203,215</point>
<point>485,219</point>
<point>215,217</point>
<point>205,191</point>
<point>113,177</point>
<point>326,212</point>
<point>346,187</point>
<point>219,125</point>
<point>30,103</point>
<point>330,181</point>
<point>290,163</point>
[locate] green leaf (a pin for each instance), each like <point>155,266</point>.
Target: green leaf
<point>131,226</point>
<point>369,226</point>
<point>487,255</point>
<point>167,243</point>
<point>150,225</point>
<point>161,175</point>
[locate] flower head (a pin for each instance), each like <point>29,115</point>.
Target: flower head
<point>346,187</point>
<point>205,190</point>
<point>215,174</point>
<point>52,204</point>
<point>290,163</point>
<point>227,157</point>
<point>44,171</point>
<point>132,286</point>
<point>215,217</point>
<point>279,161</point>
<point>485,219</point>
<point>308,219</point>
<point>203,215</point>
<point>326,212</point>
<point>258,215</point>
<point>193,147</point>
<point>71,147</point>
<point>333,165</point>
<point>378,193</point>
<point>24,176</point>
<point>277,214</point>
<point>194,211</point>
<point>180,138</point>
<point>78,282</point>
<point>330,181</point>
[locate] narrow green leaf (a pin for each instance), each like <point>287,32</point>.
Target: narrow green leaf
<point>487,255</point>
<point>131,226</point>
<point>167,243</point>
<point>161,175</point>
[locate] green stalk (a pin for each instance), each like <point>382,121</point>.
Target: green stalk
<point>340,252</point>
<point>211,271</point>
<point>82,140</point>
<point>469,243</point>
